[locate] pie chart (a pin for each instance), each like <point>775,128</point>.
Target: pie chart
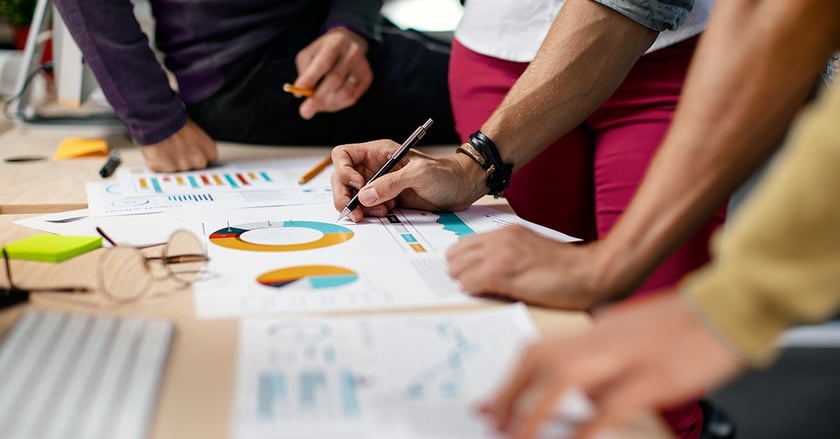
<point>314,276</point>
<point>281,236</point>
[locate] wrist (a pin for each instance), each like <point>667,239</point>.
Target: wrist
<point>620,267</point>
<point>473,177</point>
<point>484,152</point>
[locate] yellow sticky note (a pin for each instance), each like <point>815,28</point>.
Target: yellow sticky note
<point>52,248</point>
<point>77,147</point>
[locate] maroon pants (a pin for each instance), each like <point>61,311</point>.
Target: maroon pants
<point>584,181</point>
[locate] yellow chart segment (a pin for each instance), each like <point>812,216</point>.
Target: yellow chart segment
<point>319,276</point>
<point>331,234</point>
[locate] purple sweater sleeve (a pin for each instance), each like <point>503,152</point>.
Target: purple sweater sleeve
<point>118,53</point>
<point>361,16</point>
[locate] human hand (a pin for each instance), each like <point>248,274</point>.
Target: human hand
<point>418,181</point>
<point>520,264</point>
<point>648,355</point>
<point>189,148</point>
<point>335,67</point>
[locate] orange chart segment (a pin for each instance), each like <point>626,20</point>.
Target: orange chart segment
<point>329,234</point>
<point>318,276</point>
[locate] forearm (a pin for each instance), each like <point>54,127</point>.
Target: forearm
<point>118,53</point>
<point>754,68</point>
<point>585,56</point>
<point>778,263</point>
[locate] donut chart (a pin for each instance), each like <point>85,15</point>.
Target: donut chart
<point>281,237</point>
<point>317,276</point>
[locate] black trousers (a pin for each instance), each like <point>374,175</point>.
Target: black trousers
<point>409,86</point>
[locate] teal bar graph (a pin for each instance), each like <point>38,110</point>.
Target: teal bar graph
<point>271,389</point>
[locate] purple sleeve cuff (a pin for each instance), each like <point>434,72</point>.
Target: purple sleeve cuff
<point>163,126</point>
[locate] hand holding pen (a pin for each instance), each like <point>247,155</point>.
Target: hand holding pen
<point>393,159</point>
<point>449,182</point>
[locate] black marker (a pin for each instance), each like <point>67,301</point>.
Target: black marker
<point>111,165</point>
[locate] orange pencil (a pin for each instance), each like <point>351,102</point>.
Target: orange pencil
<point>289,88</point>
<point>315,170</point>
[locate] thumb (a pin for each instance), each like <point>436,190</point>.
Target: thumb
<point>383,189</point>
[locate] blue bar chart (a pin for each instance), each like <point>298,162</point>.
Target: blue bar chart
<point>373,377</point>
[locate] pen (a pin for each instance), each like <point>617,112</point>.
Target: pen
<point>315,170</point>
<point>110,165</point>
<point>392,160</point>
<point>289,88</point>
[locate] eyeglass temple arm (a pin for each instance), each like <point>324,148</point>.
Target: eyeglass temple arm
<point>114,243</point>
<point>105,236</point>
<point>179,259</point>
<point>8,270</point>
<point>15,288</point>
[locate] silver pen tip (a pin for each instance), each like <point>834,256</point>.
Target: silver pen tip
<point>344,214</point>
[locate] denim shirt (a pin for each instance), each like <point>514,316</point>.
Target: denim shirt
<point>512,30</point>
<point>656,15</point>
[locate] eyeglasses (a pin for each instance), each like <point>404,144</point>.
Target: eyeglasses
<point>125,273</point>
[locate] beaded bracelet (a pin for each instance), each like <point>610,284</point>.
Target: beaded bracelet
<point>481,149</point>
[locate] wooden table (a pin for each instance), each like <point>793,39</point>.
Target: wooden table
<point>46,185</point>
<point>198,387</point>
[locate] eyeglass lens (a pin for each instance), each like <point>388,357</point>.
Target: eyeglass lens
<point>124,274</point>
<point>184,257</point>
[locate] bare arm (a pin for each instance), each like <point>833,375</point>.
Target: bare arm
<point>584,58</point>
<point>754,68</point>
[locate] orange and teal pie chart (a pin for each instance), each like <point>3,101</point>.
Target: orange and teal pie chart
<point>315,276</point>
<point>287,236</point>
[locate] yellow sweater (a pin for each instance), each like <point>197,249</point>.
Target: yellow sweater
<point>778,263</point>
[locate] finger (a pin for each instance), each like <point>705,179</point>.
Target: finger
<point>389,186</point>
<point>357,215</point>
<point>152,158</point>
<point>210,150</point>
<point>370,156</point>
<point>465,267</point>
<point>312,69</point>
<point>390,205</point>
<point>196,158</point>
<point>458,256</point>
<point>342,193</point>
<point>623,399</point>
<point>529,425</point>
<point>482,279</point>
<point>378,211</point>
<point>327,96</point>
<point>181,158</point>
<point>347,82</point>
<point>501,405</point>
<point>346,160</point>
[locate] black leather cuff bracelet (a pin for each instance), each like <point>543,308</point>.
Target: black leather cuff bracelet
<point>481,149</point>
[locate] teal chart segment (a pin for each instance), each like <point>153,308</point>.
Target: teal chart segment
<point>451,222</point>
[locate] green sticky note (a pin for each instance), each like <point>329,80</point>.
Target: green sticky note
<point>52,248</point>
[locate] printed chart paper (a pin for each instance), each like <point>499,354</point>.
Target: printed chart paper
<point>406,376</point>
<point>298,259</point>
<point>136,230</point>
<point>267,183</point>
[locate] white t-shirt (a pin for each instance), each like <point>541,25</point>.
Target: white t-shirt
<point>514,30</point>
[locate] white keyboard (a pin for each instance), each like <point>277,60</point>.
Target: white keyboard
<point>81,376</point>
